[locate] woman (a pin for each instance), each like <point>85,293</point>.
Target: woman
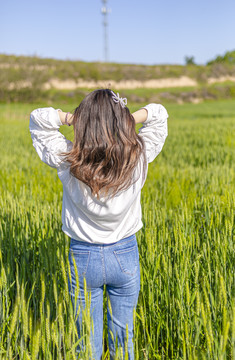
<point>102,172</point>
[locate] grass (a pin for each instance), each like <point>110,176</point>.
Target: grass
<point>186,307</point>
<point>40,69</point>
<point>224,91</point>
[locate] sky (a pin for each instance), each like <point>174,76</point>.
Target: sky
<point>139,32</point>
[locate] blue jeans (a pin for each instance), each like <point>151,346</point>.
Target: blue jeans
<point>117,266</point>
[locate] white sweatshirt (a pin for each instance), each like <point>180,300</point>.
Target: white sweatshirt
<point>84,217</point>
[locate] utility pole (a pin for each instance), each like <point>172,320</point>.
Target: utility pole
<point>105,12</point>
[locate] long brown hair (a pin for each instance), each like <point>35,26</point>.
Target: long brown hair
<point>106,147</point>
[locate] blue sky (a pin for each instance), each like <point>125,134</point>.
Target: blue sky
<point>142,32</point>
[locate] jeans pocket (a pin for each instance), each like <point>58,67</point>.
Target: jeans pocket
<point>81,260</point>
<point>127,260</point>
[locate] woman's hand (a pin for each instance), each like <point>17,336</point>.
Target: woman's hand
<point>140,116</point>
<point>62,115</point>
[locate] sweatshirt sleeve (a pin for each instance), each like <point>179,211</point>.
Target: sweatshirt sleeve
<point>154,130</point>
<point>47,140</point>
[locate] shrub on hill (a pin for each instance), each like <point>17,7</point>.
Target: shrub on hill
<point>228,58</point>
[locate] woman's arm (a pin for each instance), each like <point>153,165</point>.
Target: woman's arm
<point>140,116</point>
<point>48,141</point>
<point>62,115</point>
<point>154,130</point>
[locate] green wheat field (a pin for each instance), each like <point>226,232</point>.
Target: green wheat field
<point>186,307</point>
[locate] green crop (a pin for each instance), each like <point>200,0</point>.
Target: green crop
<point>186,307</point>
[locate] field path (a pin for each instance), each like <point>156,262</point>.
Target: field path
<point>70,84</point>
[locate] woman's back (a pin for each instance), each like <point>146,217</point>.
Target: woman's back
<point>86,217</point>
<point>103,220</point>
